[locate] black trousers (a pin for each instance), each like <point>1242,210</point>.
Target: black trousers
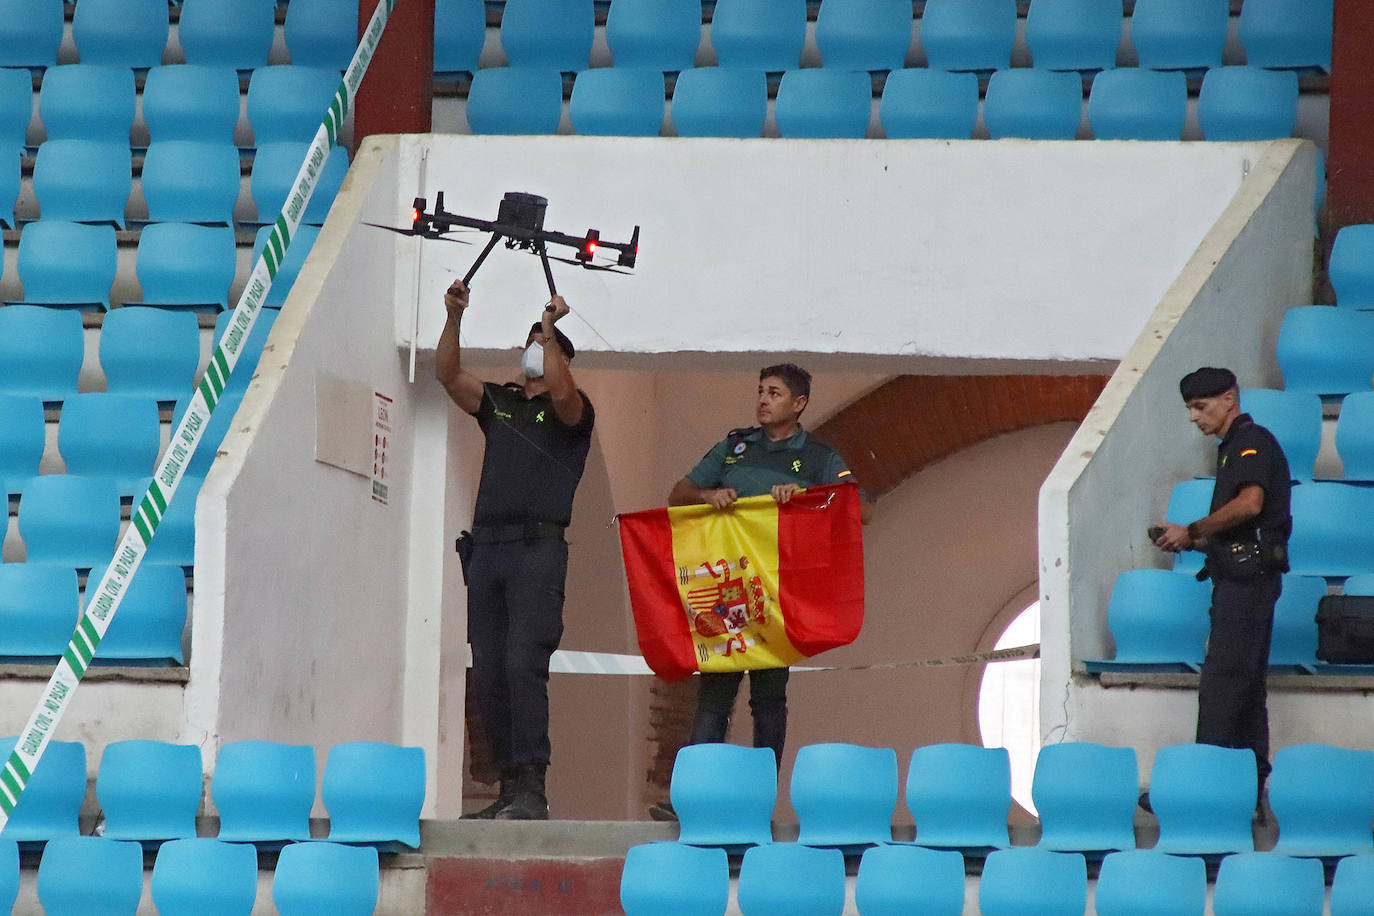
<point>515,620</point>
<point>1232,701</point>
<point>767,701</point>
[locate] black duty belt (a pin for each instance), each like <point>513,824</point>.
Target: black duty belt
<point>530,531</point>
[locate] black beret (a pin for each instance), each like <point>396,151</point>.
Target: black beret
<point>1207,382</point>
<point>559,336</point>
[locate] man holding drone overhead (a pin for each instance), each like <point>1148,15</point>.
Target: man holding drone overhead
<point>515,560</point>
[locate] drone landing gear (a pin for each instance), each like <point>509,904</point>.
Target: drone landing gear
<point>538,248</point>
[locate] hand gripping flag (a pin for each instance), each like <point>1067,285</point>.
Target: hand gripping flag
<point>760,585</point>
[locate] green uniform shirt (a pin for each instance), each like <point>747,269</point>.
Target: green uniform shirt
<point>751,464</point>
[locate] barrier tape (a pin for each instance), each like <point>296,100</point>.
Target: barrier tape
<point>95,619</point>
<point>566,661</point>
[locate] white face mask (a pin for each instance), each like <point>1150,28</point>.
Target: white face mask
<point>533,362</point>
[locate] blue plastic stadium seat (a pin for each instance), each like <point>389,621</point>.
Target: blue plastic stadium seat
<point>287,103</point>
<point>864,34</point>
<point>249,353</point>
<point>1351,267</point>
<point>1159,617</point>
<point>41,351</point>
<point>1179,34</point>
<point>1323,800</point>
<point>30,32</point>
<point>185,266</point>
<point>674,878</point>
<point>460,29</point>
<point>1203,797</point>
<point>1086,796</point>
<point>923,103</point>
<point>110,435</point>
<point>1074,34</point>
<point>1268,884</point>
<point>960,795</point>
<point>1331,531</point>
<point>151,616</point>
<point>191,102</point>
<point>321,33</point>
<point>1143,882</point>
<point>365,809</point>
<point>124,33</point>
<point>844,794</point>
<point>969,34</point>
<point>274,170</point>
<point>515,100</point>
<point>80,875</point>
<point>9,874</point>
<point>1295,419</point>
<point>618,101</point>
<point>264,791</point>
<point>1325,350</point>
<point>220,420</point>
<point>174,543</point>
<point>1352,887</point>
<point>192,181</point>
<point>16,109</point>
<point>1131,103</point>
<point>227,33</point>
<point>736,812</point>
<point>296,253</point>
<point>86,181</point>
<point>1287,33</point>
<point>11,183</point>
<point>898,880</point>
<point>87,102</point>
<point>39,606</point>
<point>720,102</point>
<point>1294,640</point>
<point>69,520</point>
<point>1025,880</point>
<point>552,34</point>
<point>759,34</point>
<point>1247,103</point>
<point>824,102</point>
<point>1033,104</point>
<point>660,34</point>
<point>22,435</point>
<point>312,879</point>
<point>149,790</point>
<point>200,876</point>
<point>51,803</point>
<point>1354,435</point>
<point>787,879</point>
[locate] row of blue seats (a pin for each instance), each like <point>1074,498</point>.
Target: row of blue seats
<point>791,880</point>
<point>81,875</point>
<point>877,34</point>
<point>1235,103</point>
<point>1086,794</point>
<point>66,264</point>
<point>263,792</point>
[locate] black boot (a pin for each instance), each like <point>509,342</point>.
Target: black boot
<point>508,776</point>
<point>529,802</point>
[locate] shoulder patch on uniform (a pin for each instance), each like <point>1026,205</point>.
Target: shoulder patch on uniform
<point>1249,451</point>
<point>845,473</point>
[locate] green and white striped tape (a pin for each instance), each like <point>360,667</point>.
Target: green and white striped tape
<point>95,620</point>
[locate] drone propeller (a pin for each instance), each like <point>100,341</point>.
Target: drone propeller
<point>588,265</point>
<point>433,234</point>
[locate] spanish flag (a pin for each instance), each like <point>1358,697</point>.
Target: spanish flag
<point>760,585</point>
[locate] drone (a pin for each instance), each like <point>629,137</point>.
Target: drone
<point>520,223</point>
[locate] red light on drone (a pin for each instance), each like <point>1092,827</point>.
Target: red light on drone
<point>414,216</point>
<point>589,246</point>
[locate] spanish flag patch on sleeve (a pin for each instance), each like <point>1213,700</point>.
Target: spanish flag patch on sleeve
<point>1248,452</point>
<point>845,473</point>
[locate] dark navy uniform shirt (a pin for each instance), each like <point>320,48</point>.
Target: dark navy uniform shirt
<point>1251,454</point>
<point>751,464</point>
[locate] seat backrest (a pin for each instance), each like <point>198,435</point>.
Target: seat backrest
<point>31,32</point>
<point>204,875</point>
<point>864,34</point>
<point>50,805</point>
<point>1034,104</point>
<point>1331,533</point>
<point>659,34</point>
<point>192,181</point>
<point>969,34</point>
<point>1179,34</point>
<point>1351,266</point>
<point>69,520</point>
<point>365,809</point>
<point>824,103</point>
<point>1131,103</point>
<point>191,101</point>
<point>554,34</point>
<point>314,878</point>
<point>1261,883</point>
<point>287,103</point>
<point>759,34</point>
<point>1204,797</point>
<point>175,540</point>
<point>274,171</point>
<point>296,253</point>
<point>183,265</point>
<point>1074,34</point>
<point>1323,800</point>
<point>125,33</point>
<point>150,353</point>
<point>929,103</point>
<point>1026,879</point>
<point>1143,882</point>
<point>674,878</point>
<point>1295,419</point>
<point>110,435</point>
<point>460,30</point>
<point>264,791</point>
<point>149,790</point>
<point>720,102</point>
<point>41,349</point>
<point>1294,638</point>
<point>1287,33</point>
<point>227,33</point>
<point>618,102</point>
<point>151,617</point>
<point>960,795</point>
<point>22,439</point>
<point>1352,887</point>
<point>79,875</point>
<point>321,33</point>
<point>9,873</point>
<point>1159,616</point>
<point>1086,796</point>
<point>1247,103</point>
<point>733,809</point>
<point>38,610</point>
<point>1325,350</point>
<point>844,794</point>
<point>83,180</point>
<point>1355,435</point>
<point>897,880</point>
<point>87,102</point>
<point>515,100</point>
<point>788,879</point>
<point>16,108</point>
<point>1189,501</point>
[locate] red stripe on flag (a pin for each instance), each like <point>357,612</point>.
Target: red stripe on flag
<point>821,568</point>
<point>646,540</point>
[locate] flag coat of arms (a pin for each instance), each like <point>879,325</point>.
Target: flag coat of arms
<point>760,585</point>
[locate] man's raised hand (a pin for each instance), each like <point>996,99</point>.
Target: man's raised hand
<point>456,299</point>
